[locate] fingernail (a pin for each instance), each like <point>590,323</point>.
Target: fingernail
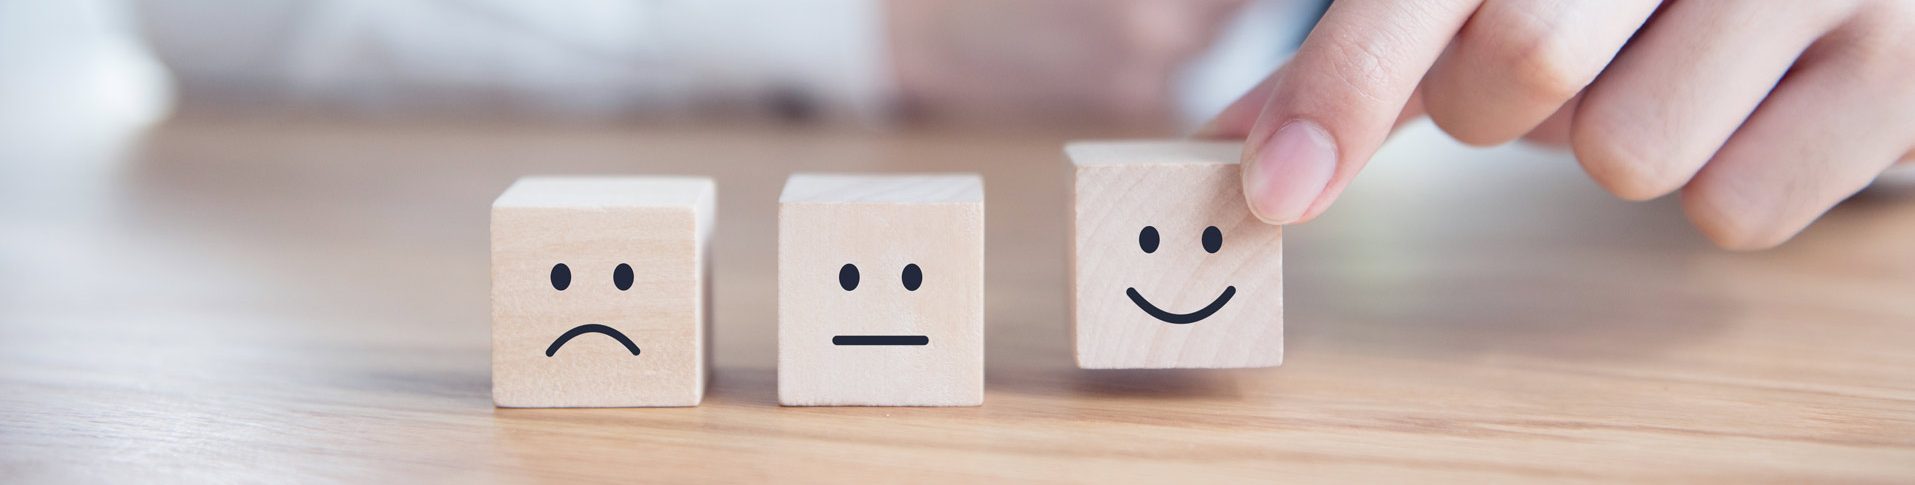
<point>1289,171</point>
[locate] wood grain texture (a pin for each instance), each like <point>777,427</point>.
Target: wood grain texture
<point>881,290</point>
<point>1147,289</point>
<point>243,300</point>
<point>623,324</point>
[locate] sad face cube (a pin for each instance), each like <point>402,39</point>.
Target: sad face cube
<point>1169,268</point>
<point>599,291</point>
<point>881,290</point>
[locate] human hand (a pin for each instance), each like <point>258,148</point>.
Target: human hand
<point>1764,114</point>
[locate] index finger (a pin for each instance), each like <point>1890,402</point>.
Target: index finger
<point>1336,101</point>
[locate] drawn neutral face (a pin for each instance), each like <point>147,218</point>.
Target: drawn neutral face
<point>885,301</point>
<point>911,278</point>
<point>881,305</point>
<point>1149,241</point>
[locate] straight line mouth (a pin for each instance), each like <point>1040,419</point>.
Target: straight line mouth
<point>880,340</point>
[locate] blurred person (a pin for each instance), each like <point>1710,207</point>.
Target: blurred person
<point>1763,115</point>
<point>865,60</point>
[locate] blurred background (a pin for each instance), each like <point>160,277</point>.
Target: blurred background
<point>179,155</point>
<point>855,61</point>
<point>184,180</point>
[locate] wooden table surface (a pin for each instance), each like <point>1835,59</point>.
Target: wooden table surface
<point>266,300</point>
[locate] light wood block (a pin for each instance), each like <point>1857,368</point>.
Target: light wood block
<point>1147,290</point>
<point>604,337</point>
<point>881,341</point>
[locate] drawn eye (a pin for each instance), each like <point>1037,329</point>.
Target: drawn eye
<point>913,277</point>
<point>848,277</point>
<point>1213,239</point>
<point>622,276</point>
<point>561,277</point>
<point>1148,239</point>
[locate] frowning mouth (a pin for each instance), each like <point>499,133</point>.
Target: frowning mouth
<point>1181,318</point>
<point>591,328</point>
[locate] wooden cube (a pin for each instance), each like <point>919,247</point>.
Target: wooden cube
<point>600,291</point>
<point>1168,267</point>
<point>881,290</point>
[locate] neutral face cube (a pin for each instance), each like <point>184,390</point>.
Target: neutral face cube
<point>881,290</point>
<point>1169,268</point>
<point>599,291</point>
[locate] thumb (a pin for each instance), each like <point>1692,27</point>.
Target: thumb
<point>1338,98</point>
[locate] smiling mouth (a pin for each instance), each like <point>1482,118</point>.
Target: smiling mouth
<point>1181,318</point>
<point>590,328</point>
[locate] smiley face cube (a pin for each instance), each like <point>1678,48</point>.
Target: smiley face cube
<point>881,290</point>
<point>1168,267</point>
<point>599,291</point>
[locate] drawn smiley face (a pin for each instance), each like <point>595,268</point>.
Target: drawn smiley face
<point>561,280</point>
<point>1169,269</point>
<point>1149,240</point>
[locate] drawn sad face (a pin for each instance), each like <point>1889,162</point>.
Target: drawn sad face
<point>598,309</point>
<point>562,280</point>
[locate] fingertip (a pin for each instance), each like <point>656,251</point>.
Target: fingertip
<point>1284,176</point>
